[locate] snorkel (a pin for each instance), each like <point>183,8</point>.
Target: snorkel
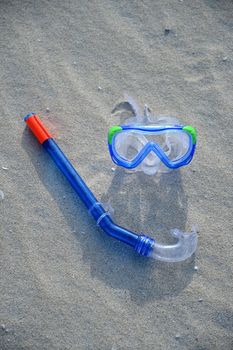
<point>142,244</point>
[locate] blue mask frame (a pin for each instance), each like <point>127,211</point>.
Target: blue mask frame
<point>151,146</point>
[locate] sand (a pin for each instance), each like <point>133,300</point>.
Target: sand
<point>64,284</point>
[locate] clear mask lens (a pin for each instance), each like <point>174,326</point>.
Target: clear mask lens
<point>175,144</point>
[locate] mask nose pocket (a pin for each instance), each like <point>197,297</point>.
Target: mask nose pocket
<point>150,164</point>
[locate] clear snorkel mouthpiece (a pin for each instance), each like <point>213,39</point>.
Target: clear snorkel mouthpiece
<point>186,245</point>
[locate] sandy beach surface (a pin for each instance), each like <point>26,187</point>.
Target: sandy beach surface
<point>64,284</point>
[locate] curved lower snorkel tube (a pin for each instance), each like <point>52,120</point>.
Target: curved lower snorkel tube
<point>146,246</point>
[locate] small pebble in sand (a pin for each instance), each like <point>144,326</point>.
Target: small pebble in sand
<point>200,300</point>
<point>47,110</point>
<point>195,268</point>
<point>64,197</point>
<point>224,59</point>
<point>2,196</point>
<point>3,327</point>
<point>113,170</point>
<point>167,31</point>
<point>99,88</point>
<point>75,63</point>
<point>4,168</point>
<point>146,111</point>
<point>39,40</point>
<point>177,336</point>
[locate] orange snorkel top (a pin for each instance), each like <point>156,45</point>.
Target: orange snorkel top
<point>38,129</point>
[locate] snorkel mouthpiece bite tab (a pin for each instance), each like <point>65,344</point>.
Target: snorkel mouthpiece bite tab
<point>38,129</point>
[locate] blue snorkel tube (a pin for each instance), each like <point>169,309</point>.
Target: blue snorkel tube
<point>144,245</point>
